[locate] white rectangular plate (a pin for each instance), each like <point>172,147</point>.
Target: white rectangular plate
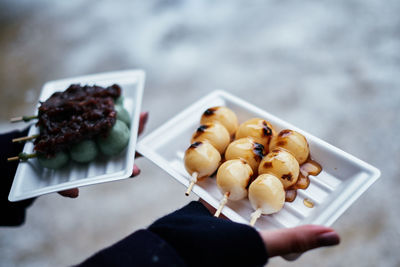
<point>32,180</point>
<point>343,178</point>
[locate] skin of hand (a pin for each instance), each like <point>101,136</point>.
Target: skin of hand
<point>298,239</point>
<point>293,240</point>
<point>74,192</point>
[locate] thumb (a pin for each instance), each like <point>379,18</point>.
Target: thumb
<point>298,239</point>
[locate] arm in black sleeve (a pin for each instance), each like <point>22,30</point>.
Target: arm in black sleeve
<point>12,213</point>
<point>190,236</point>
<point>203,240</point>
<point>142,248</point>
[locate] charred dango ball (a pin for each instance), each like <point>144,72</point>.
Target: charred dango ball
<point>223,115</point>
<point>116,140</point>
<point>294,142</point>
<point>84,151</point>
<point>233,177</point>
<point>246,149</point>
<point>123,115</point>
<point>282,164</point>
<point>201,158</point>
<point>57,161</point>
<point>259,129</point>
<point>214,133</point>
<point>266,195</point>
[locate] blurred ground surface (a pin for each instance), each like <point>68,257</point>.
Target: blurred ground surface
<point>330,68</point>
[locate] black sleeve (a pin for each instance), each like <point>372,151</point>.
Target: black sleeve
<point>190,236</point>
<point>204,240</point>
<point>142,248</point>
<point>13,213</point>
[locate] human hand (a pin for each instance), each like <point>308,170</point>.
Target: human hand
<point>74,192</point>
<point>299,239</point>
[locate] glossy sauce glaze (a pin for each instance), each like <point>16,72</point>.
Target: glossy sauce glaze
<point>310,167</point>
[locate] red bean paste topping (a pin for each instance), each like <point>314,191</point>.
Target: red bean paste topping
<point>77,114</point>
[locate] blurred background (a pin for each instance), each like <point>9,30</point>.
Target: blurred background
<point>331,68</point>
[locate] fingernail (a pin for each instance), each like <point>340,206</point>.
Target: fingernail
<point>328,239</point>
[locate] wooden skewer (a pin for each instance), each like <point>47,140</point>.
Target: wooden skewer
<point>25,138</point>
<point>23,118</point>
<point>23,156</point>
<point>254,216</point>
<point>13,158</point>
<point>192,182</point>
<point>222,204</point>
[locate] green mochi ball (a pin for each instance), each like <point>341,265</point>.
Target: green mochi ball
<point>116,141</point>
<point>60,159</point>
<point>84,151</point>
<point>123,115</point>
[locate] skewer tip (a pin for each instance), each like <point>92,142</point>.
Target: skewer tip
<point>25,138</point>
<point>222,204</point>
<point>192,182</point>
<point>254,216</point>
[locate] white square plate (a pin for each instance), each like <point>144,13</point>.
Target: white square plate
<point>343,178</point>
<point>32,180</point>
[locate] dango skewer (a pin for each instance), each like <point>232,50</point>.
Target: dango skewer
<point>84,151</point>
